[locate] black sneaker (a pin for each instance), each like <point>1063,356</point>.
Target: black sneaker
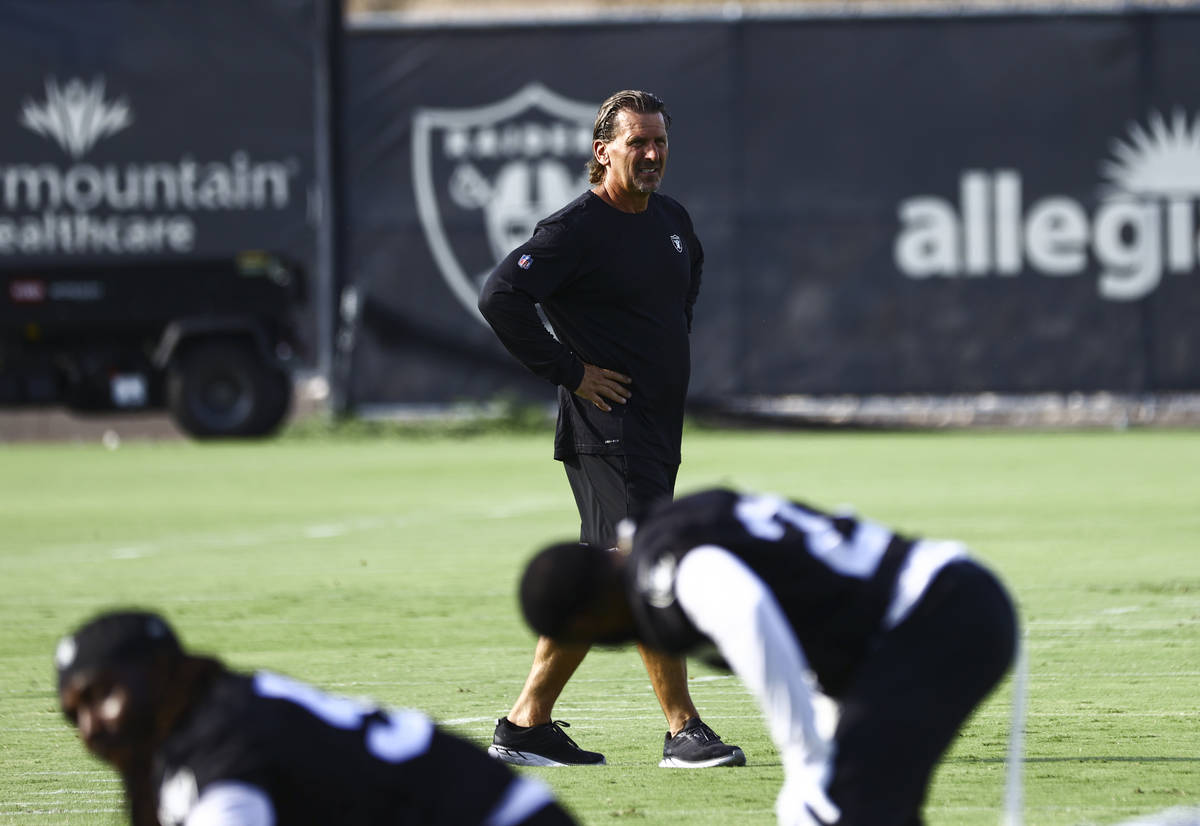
<point>543,745</point>
<point>696,746</point>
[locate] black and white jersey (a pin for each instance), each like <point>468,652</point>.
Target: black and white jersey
<point>618,288</point>
<point>839,580</point>
<point>906,637</point>
<point>265,749</point>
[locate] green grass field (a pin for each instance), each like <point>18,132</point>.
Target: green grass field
<point>386,567</point>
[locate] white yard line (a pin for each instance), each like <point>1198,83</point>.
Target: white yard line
<point>30,812</point>
<point>317,531</point>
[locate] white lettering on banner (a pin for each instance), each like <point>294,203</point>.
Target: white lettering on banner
<point>130,208</point>
<point>1144,226</point>
<point>73,234</point>
<point>238,184</point>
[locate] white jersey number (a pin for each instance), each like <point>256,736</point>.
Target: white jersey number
<point>766,517</point>
<point>394,738</point>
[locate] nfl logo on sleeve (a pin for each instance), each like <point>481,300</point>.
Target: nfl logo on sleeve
<point>525,261</point>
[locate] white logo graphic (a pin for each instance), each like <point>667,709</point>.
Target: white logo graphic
<point>1163,163</point>
<point>1143,226</point>
<point>657,581</point>
<point>677,243</point>
<point>485,176</point>
<point>130,206</point>
<point>177,797</point>
<point>64,654</point>
<point>76,115</point>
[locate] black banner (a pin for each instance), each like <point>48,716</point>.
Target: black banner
<point>158,131</point>
<point>888,205</point>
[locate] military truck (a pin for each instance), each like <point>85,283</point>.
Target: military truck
<point>213,340</point>
<point>164,205</point>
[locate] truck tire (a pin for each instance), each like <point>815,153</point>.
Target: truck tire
<point>224,388</point>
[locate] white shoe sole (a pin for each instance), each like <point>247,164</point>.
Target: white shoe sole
<point>524,758</point>
<point>735,758</point>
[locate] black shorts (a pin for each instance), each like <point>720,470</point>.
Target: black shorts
<point>611,488</point>
<point>911,695</point>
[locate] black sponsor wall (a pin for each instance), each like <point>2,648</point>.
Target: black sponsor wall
<point>1171,78</point>
<point>419,338</point>
<point>888,205</point>
<point>159,131</point>
<point>891,110</point>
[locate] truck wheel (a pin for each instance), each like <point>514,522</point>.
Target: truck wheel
<point>224,388</point>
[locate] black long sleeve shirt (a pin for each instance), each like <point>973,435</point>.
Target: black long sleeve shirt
<point>618,288</point>
<point>834,576</point>
<point>319,759</point>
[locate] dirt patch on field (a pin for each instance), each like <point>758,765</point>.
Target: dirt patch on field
<point>54,424</point>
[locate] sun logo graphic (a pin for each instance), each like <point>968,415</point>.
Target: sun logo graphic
<point>1143,226</point>
<point>484,176</point>
<point>1162,162</point>
<point>76,115</point>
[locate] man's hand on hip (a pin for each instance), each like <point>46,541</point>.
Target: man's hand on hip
<point>601,385</point>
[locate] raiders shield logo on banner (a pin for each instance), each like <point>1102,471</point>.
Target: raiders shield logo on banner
<point>485,176</point>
